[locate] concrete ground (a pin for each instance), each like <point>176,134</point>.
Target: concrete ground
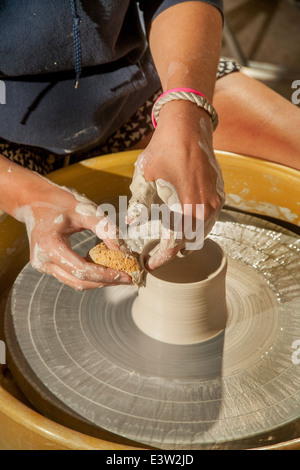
<point>267,33</point>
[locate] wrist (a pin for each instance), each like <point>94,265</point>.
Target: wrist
<point>21,187</point>
<point>184,115</point>
<point>186,95</point>
<point>13,179</point>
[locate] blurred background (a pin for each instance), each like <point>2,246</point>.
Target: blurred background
<point>264,37</point>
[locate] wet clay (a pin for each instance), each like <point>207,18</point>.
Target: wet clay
<point>184,301</point>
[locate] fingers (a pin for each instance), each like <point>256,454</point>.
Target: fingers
<point>49,227</point>
<point>105,229</point>
<point>69,280</point>
<point>143,196</point>
<point>72,269</point>
<point>182,237</point>
<point>166,250</point>
<point>168,194</point>
<point>171,240</point>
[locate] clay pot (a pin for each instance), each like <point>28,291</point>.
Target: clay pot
<point>184,301</point>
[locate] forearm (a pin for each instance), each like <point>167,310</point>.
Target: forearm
<point>14,183</point>
<point>185,42</point>
<point>21,187</point>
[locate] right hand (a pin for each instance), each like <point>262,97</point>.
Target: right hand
<point>179,169</point>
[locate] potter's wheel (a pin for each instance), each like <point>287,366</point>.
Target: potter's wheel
<point>80,357</point>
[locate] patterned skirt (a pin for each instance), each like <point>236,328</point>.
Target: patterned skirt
<point>138,127</point>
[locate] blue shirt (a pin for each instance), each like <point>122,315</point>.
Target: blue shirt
<point>43,108</point>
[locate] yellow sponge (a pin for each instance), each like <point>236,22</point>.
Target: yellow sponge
<point>118,260</point>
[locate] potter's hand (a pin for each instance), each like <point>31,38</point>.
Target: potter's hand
<point>51,221</point>
<point>180,167</point>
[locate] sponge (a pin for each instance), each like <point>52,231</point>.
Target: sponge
<point>118,260</point>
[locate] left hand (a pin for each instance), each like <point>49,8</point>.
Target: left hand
<point>179,155</point>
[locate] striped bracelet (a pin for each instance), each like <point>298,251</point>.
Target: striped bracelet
<point>187,94</point>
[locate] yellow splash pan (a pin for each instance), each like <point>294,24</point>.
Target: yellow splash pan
<point>251,185</point>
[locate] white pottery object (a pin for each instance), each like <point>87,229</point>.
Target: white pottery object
<point>184,301</point>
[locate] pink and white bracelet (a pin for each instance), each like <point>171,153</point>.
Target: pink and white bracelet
<point>187,94</point>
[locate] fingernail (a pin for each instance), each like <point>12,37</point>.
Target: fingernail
<point>125,279</point>
<point>146,263</point>
<point>150,264</point>
<point>124,247</point>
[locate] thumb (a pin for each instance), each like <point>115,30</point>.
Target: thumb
<point>143,196</point>
<point>106,230</point>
